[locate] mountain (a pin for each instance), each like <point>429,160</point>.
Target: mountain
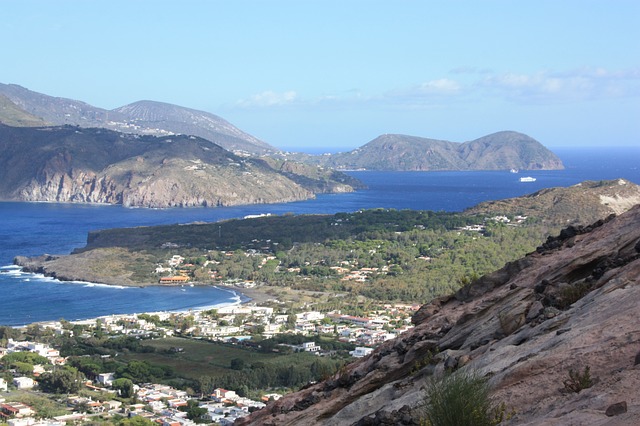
<point>499,151</point>
<point>168,117</point>
<point>93,165</point>
<point>537,329</point>
<point>144,117</point>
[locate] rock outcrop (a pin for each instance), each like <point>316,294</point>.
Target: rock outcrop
<point>571,304</point>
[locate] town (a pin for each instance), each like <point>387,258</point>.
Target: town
<point>164,404</point>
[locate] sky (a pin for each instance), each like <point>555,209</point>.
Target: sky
<point>326,76</point>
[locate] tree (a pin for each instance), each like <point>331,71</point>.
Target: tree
<point>61,380</point>
<point>32,358</point>
<point>291,321</point>
<point>237,364</point>
<point>124,387</point>
<point>193,410</point>
<point>135,421</point>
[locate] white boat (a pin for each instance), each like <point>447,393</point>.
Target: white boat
<point>514,170</point>
<point>527,179</point>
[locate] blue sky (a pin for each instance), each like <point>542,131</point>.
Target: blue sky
<point>332,75</point>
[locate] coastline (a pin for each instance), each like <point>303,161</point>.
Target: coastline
<point>253,296</point>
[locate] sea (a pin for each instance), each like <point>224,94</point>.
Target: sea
<point>31,229</point>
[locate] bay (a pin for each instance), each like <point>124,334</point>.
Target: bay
<point>32,229</point>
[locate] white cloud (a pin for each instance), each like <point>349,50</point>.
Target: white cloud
<point>268,98</point>
<point>552,87</point>
<point>443,86</point>
<point>542,87</point>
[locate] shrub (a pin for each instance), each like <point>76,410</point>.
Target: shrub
<point>578,381</point>
<point>461,399</point>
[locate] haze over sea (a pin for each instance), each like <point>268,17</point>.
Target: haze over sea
<point>32,229</point>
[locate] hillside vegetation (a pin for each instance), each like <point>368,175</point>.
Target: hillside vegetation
<point>380,254</point>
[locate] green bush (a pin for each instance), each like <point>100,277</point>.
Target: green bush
<point>578,381</point>
<point>461,399</point>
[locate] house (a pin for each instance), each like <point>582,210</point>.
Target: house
<point>360,352</point>
<point>3,385</point>
<point>106,378</point>
<point>271,397</point>
<point>310,316</point>
<point>174,279</point>
<point>310,347</point>
<point>112,405</point>
<point>221,394</point>
<point>324,328</point>
<point>16,409</point>
<point>24,382</point>
<point>175,260</point>
<point>305,327</point>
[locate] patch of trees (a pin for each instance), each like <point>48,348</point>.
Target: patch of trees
<point>277,374</point>
<point>61,380</point>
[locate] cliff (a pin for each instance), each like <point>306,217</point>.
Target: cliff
<point>71,164</point>
<point>571,304</point>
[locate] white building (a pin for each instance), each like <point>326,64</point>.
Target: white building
<point>3,385</point>
<point>106,378</point>
<point>310,347</point>
<point>361,352</point>
<point>24,382</point>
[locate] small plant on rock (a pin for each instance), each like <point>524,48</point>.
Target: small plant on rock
<point>461,399</point>
<point>578,381</point>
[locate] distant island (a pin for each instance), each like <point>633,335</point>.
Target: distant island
<point>504,150</point>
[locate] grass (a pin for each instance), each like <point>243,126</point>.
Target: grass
<point>461,399</point>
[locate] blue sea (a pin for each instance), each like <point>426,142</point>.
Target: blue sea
<point>32,229</point>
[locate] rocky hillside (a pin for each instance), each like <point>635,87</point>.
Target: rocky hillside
<point>581,203</point>
<point>72,164</point>
<point>571,304</point>
<point>499,151</point>
<point>144,118</point>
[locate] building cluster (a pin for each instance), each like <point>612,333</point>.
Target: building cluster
<point>162,403</point>
<point>241,322</point>
<point>157,402</point>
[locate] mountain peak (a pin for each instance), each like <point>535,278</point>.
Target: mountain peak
<point>143,117</point>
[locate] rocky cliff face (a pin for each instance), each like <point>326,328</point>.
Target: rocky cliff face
<point>571,304</point>
<point>69,164</point>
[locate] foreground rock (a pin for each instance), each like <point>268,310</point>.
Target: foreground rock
<point>571,304</point>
